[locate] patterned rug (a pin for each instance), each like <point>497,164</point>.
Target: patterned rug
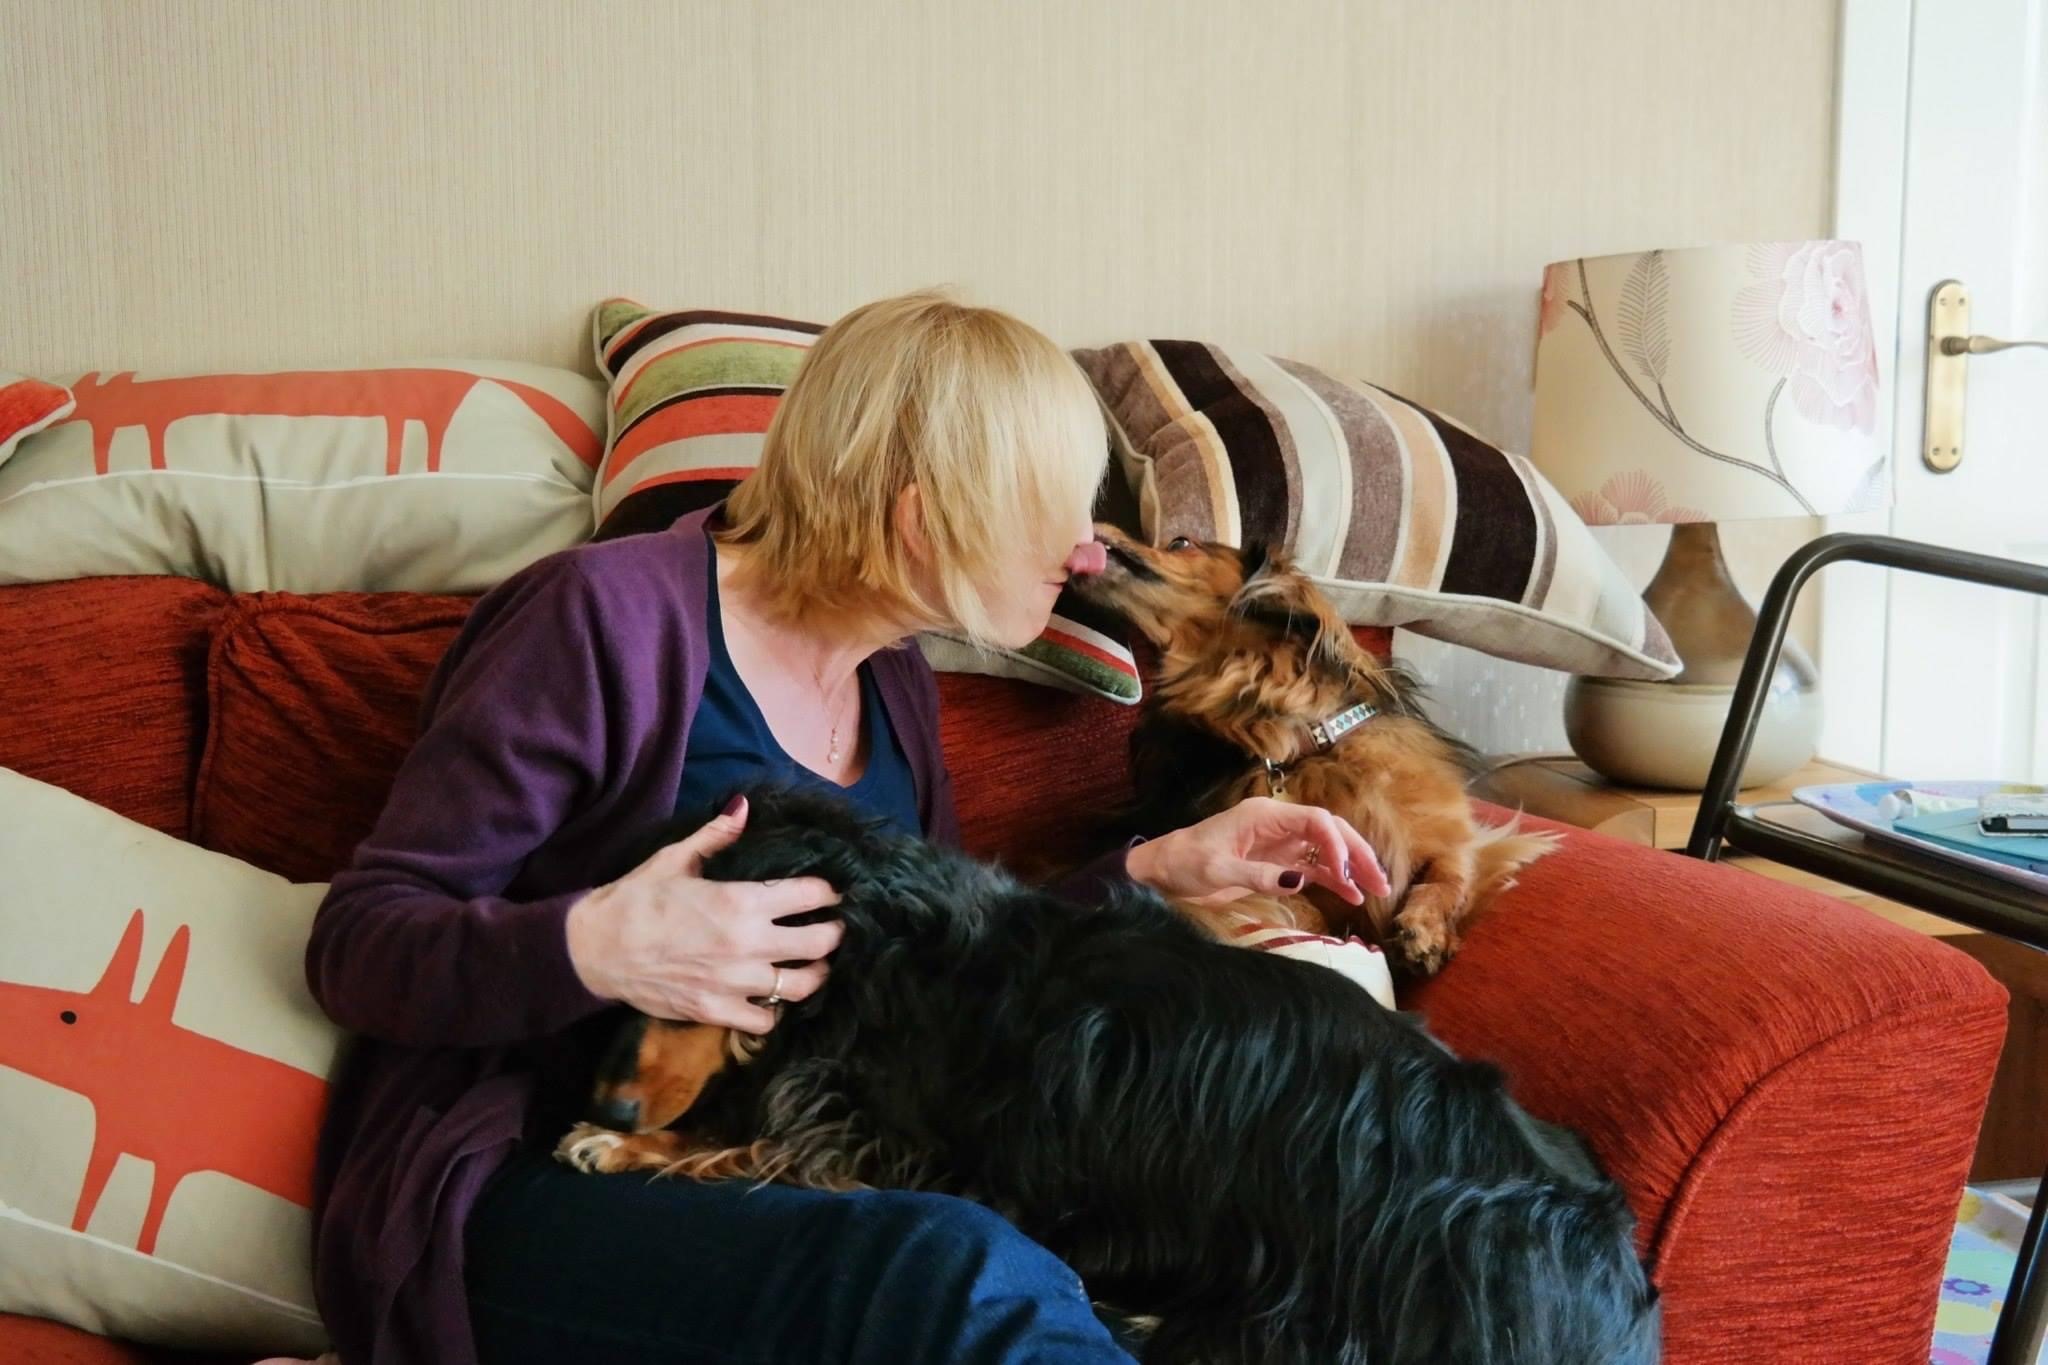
<point>1980,1262</point>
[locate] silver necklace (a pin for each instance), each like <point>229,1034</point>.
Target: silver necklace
<point>832,710</point>
<point>818,681</point>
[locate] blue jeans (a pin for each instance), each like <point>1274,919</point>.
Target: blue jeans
<point>568,1267</point>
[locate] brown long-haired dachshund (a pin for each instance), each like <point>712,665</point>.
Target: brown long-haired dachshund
<point>1261,691</point>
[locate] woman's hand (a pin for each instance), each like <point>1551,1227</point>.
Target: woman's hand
<point>1260,845</point>
<point>673,945</point>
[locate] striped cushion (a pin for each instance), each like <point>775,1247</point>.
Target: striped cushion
<point>692,393</point>
<point>691,397</point>
<point>1402,516</point>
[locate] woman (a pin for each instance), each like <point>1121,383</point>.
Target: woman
<point>931,465</point>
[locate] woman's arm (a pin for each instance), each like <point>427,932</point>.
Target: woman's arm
<point>415,943</point>
<point>1094,879</point>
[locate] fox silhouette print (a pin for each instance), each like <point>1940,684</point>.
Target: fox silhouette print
<point>398,396</point>
<point>140,1071</point>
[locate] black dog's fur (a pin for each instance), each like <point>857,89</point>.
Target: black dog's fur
<point>1247,1147</point>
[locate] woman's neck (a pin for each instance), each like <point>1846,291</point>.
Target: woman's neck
<point>829,649</point>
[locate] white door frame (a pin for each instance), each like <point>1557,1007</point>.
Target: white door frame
<point>1873,98</point>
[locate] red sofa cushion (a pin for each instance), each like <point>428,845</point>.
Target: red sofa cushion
<point>314,700</point>
<point>103,681</point>
<point>1739,1052</point>
<point>1029,764</point>
<point>312,703</point>
<point>38,1341</point>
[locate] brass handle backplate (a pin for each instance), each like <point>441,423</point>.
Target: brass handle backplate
<point>1949,348</point>
<point>1948,377</point>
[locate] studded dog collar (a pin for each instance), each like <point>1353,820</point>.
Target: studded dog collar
<point>1323,734</point>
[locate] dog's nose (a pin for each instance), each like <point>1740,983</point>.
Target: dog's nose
<point>615,1112</point>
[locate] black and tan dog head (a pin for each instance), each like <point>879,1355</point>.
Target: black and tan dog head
<point>1249,648</point>
<point>896,899</point>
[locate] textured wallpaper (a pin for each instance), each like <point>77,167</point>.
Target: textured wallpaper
<point>1370,185</point>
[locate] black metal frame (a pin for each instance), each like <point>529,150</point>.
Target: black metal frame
<point>1949,890</point>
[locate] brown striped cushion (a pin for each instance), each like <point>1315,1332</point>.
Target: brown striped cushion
<point>1404,517</point>
<point>692,393</point>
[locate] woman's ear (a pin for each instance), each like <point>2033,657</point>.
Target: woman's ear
<point>909,517</point>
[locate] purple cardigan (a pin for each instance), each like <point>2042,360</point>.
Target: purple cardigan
<point>552,739</point>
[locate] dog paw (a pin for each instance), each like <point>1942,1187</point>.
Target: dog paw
<point>1425,937</point>
<point>600,1151</point>
<point>592,1150</point>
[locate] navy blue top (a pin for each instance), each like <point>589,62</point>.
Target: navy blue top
<point>730,745</point>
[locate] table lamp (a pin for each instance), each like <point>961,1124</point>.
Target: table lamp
<point>1691,387</point>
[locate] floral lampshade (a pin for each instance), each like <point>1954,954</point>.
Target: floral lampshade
<point>1709,384</point>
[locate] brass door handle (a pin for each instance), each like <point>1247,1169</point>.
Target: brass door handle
<point>1954,345</point>
<point>1949,348</point>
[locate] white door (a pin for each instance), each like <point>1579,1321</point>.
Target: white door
<point>1942,170</point>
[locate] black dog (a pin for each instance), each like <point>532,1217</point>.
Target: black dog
<point>1247,1148</point>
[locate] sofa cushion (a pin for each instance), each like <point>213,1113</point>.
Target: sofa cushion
<point>101,690</point>
<point>692,393</point>
<point>162,1075</point>
<point>26,407</point>
<point>312,702</point>
<point>40,1341</point>
<point>440,477</point>
<point>1401,515</point>
<point>1030,767</point>
<point>1752,1061</point>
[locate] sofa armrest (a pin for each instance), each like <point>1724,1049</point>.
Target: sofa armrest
<point>1788,1086</point>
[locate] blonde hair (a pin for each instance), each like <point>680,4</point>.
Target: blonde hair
<point>993,423</point>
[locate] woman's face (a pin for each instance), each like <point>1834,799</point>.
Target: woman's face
<point>1020,593</point>
<point>1020,601</point>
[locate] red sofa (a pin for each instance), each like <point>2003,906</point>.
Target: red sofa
<point>1788,1087</point>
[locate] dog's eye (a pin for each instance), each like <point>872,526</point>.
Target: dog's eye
<point>1180,543</point>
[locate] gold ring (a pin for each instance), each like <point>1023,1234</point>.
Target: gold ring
<point>1310,858</point>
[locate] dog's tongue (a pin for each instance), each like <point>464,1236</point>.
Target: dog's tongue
<point>1088,557</point>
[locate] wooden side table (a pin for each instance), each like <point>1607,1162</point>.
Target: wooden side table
<point>1559,787</point>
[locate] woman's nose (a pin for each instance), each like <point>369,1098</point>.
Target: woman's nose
<point>1088,557</point>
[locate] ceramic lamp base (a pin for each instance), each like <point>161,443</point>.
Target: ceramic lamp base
<point>1664,734</point>
<point>1650,734</point>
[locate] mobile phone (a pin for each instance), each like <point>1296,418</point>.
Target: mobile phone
<point>2014,814</point>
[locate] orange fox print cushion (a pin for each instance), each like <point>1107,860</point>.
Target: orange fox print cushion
<point>162,1076</point>
<point>435,477</point>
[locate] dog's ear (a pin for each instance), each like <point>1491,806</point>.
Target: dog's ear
<point>1273,596</point>
<point>1256,559</point>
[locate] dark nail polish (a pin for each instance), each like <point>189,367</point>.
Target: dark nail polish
<point>1290,881</point>
<point>732,807</point>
